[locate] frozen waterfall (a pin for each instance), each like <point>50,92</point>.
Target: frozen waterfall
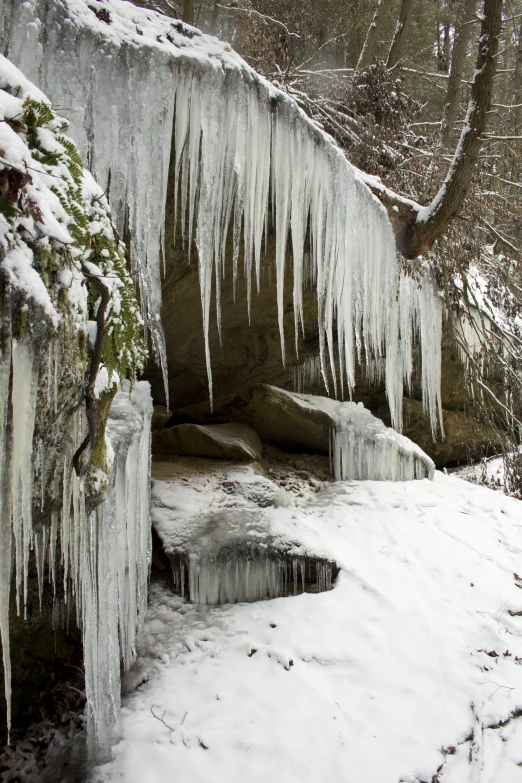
<point>99,559</point>
<point>143,87</point>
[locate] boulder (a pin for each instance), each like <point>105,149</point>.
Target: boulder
<point>278,418</point>
<point>218,441</point>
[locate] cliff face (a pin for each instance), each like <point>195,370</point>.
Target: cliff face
<point>189,136</point>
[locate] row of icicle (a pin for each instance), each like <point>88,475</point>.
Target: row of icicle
<point>244,157</point>
<point>77,548</point>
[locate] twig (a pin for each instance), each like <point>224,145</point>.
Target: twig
<point>260,15</point>
<point>162,719</point>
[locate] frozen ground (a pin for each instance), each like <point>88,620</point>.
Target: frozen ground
<point>411,666</point>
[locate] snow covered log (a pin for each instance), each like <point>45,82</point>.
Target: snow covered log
<point>57,247</point>
<point>144,91</point>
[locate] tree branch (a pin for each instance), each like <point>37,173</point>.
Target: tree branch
<point>416,228</point>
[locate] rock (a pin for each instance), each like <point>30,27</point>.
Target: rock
<point>160,417</point>
<point>465,437</point>
<point>280,420</point>
<point>219,441</point>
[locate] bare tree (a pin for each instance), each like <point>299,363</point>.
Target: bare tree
<point>416,228</point>
<point>371,41</point>
<point>400,36</point>
<point>464,15</point>
<point>518,102</point>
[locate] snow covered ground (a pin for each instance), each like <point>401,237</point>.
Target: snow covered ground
<point>410,665</point>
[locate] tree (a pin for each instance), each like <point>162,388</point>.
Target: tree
<point>400,36</point>
<point>188,11</point>
<point>371,41</point>
<point>416,228</point>
<point>463,19</point>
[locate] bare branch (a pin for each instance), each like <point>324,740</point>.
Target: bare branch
<point>264,17</point>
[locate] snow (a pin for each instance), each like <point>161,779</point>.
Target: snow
<point>238,144</point>
<point>363,447</point>
<point>417,650</point>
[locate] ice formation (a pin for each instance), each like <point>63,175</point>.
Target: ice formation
<point>308,373</point>
<point>238,579</point>
<point>140,85</point>
<point>363,447</point>
<point>101,557</point>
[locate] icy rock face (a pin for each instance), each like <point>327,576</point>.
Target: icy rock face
<point>138,85</point>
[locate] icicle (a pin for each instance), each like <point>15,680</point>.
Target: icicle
<point>5,518</point>
<point>24,392</point>
<point>308,373</point>
<point>239,145</point>
<point>237,579</point>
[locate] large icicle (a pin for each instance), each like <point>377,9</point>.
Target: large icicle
<point>106,557</point>
<point>130,85</point>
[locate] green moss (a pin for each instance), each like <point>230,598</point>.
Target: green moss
<point>98,469</point>
<point>8,209</point>
<point>20,323</point>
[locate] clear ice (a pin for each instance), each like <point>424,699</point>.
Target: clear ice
<point>237,579</point>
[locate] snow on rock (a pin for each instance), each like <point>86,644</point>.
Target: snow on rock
<point>363,447</point>
<point>132,82</point>
<point>410,667</point>
<point>218,532</point>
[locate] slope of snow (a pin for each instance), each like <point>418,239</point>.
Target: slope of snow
<point>408,664</point>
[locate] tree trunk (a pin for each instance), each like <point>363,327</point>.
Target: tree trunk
<point>416,228</point>
<point>517,100</point>
<point>400,36</point>
<point>215,18</point>
<point>371,41</point>
<point>465,12</point>
<point>188,11</point>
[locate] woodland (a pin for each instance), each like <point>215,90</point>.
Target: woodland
<point>261,391</point>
